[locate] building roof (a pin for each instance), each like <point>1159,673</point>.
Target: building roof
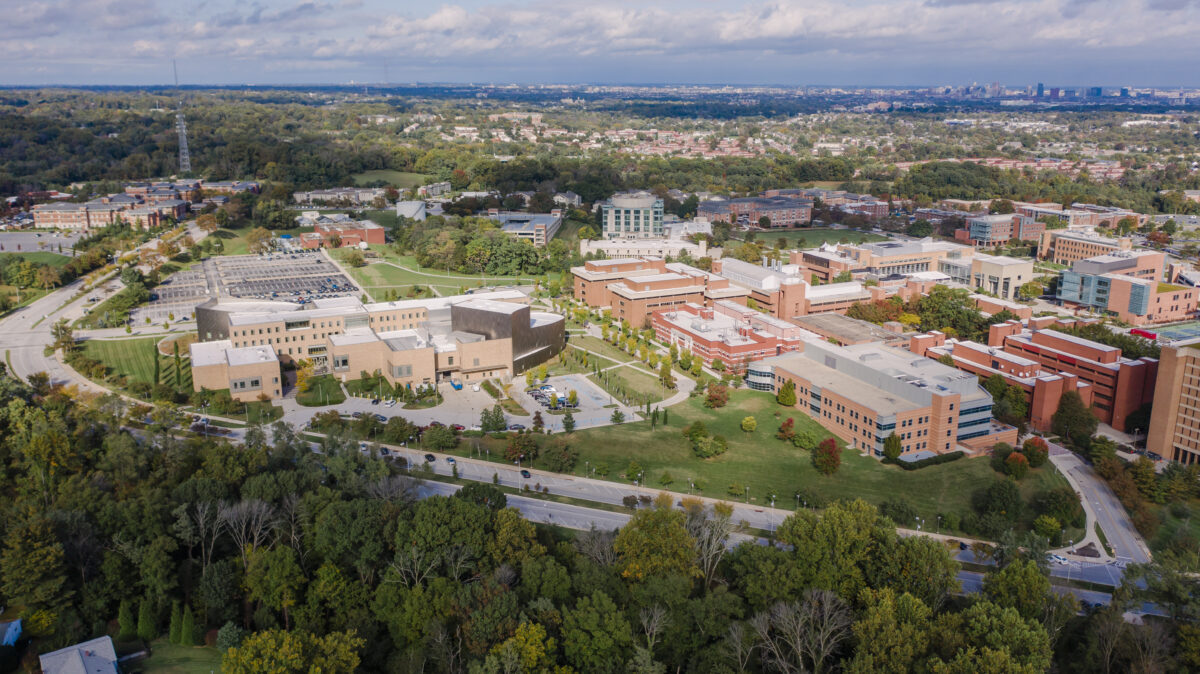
<point>90,657</point>
<point>843,328</point>
<point>251,355</point>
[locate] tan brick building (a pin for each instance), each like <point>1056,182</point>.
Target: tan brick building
<point>1174,431</point>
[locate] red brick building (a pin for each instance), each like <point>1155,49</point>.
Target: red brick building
<point>728,332</point>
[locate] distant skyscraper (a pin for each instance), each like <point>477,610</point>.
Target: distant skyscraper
<point>1124,92</point>
<point>1041,90</point>
<point>1095,92</point>
<point>1054,92</point>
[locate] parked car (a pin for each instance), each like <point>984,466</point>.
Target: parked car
<point>381,419</point>
<point>356,415</point>
<point>436,424</point>
<point>450,459</point>
<point>385,451</point>
<point>475,388</point>
<point>374,401</point>
<point>430,458</point>
<point>516,427</point>
<point>525,474</point>
<point>458,427</point>
<point>390,403</point>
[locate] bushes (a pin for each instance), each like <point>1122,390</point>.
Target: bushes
<point>704,445</point>
<point>749,424</point>
<point>488,386</point>
<point>716,396</point>
<point>1037,451</point>
<point>1016,465</point>
<point>931,461</point>
<point>828,457</point>
<point>787,430</point>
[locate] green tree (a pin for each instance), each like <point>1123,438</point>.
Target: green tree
<point>787,394</point>
<point>892,446</point>
<point>147,628</point>
<point>1021,585</point>
<point>187,628</point>
<point>655,542</point>
<point>986,634</point>
<point>127,626</point>
<point>175,624</point>
<point>749,424</point>
<point>274,577</point>
<point>33,571</point>
<point>1074,420</point>
<point>892,633</point>
<point>280,652</point>
<point>568,422</point>
<point>596,636</point>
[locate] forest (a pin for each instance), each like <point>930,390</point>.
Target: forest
<point>292,560</point>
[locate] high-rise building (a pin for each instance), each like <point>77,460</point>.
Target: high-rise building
<point>1095,92</point>
<point>633,215</point>
<point>1041,90</point>
<point>1174,431</point>
<point>1124,92</point>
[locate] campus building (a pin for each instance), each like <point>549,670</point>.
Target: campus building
<point>356,196</point>
<point>344,232</point>
<point>1043,388</point>
<point>1119,385</point>
<point>1128,285</point>
<point>635,288</point>
<point>782,291</point>
<point>632,215</point>
<point>781,211</point>
<point>865,393</point>
<point>728,332</point>
<point>412,342</point>
<point>999,275</point>
<point>998,230</point>
<point>1066,247</point>
<point>536,228</point>
<point>1174,431</point>
<point>620,249</point>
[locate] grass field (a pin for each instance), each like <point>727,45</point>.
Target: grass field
<point>134,359</point>
<point>168,658</point>
<point>810,238</point>
<point>322,390</point>
<point>767,465</point>
<point>380,277</point>
<point>40,257</point>
<point>397,179</point>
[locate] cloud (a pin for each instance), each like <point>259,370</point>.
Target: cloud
<point>614,40</point>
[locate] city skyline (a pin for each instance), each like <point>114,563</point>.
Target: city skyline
<point>862,43</point>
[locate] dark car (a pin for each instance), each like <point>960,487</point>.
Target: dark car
<point>436,424</point>
<point>430,458</point>
<point>381,419</point>
<point>516,427</point>
<point>374,401</point>
<point>458,427</point>
<point>525,474</point>
<point>450,459</point>
<point>356,415</point>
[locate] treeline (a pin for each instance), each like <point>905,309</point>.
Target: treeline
<point>288,559</point>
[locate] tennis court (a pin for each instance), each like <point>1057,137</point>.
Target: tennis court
<point>1176,332</point>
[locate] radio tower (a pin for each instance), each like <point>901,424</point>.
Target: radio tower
<point>185,160</point>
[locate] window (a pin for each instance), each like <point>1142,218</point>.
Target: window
<point>450,360</point>
<point>341,362</point>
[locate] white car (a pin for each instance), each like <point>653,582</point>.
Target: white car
<point>475,388</point>
<point>1057,559</point>
<point>389,403</point>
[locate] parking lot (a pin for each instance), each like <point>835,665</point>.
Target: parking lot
<point>31,242</point>
<point>297,277</point>
<point>176,296</point>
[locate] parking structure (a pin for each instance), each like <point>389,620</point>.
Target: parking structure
<point>295,277</point>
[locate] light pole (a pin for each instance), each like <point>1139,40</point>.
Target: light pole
<point>747,494</point>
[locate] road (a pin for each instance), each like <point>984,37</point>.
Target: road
<point>1102,505</point>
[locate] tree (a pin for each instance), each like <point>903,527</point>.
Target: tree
<point>1020,585</point>
<point>175,624</point>
<point>277,651</point>
<point>274,577</point>
<point>568,422</point>
<point>1074,420</point>
<point>665,376</point>
<point>920,229</point>
<point>656,542</point>
<point>596,636</point>
<point>355,258</point>
<point>749,424</point>
<point>572,398</point>
<point>787,430</point>
<point>440,438</point>
<point>986,630</point>
<point>802,636</point>
<point>892,446</point>
<point>1036,451</point>
<point>33,574</point>
<point>187,628</point>
<point>48,277</point>
<point>787,394</point>
<point>716,395</point>
<point>618,417</point>
<point>892,632</point>
<point>1016,465</point>
<point>147,629</point>
<point>258,240</point>
<point>127,626</point>
<point>827,458</point>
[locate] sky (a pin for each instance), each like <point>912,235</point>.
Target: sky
<point>786,42</point>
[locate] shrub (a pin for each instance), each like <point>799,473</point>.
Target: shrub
<point>787,430</point>
<point>1000,452</point>
<point>898,510</point>
<point>1046,526</point>
<point>716,396</point>
<point>749,424</point>
<point>787,394</point>
<point>710,446</point>
<point>1036,451</point>
<point>930,461</point>
<point>230,636</point>
<point>1016,465</point>
<point>828,457</point>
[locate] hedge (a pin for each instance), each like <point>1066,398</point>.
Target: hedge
<point>931,461</point>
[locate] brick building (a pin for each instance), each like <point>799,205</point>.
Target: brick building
<point>1174,431</point>
<point>998,230</point>
<point>635,288</point>
<point>1066,247</point>
<point>727,331</point>
<point>865,393</point>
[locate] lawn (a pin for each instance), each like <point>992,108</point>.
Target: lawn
<point>397,179</point>
<point>322,390</point>
<point>134,359</point>
<point>380,277</point>
<point>766,465</point>
<point>811,238</point>
<point>637,388</point>
<point>600,347</point>
<point>40,257</point>
<point>168,658</point>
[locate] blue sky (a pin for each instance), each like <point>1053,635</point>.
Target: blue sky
<point>793,42</point>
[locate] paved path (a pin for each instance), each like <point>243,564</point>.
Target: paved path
<point>1101,506</point>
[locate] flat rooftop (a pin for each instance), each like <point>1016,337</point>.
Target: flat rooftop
<point>835,381</point>
<point>844,329</point>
